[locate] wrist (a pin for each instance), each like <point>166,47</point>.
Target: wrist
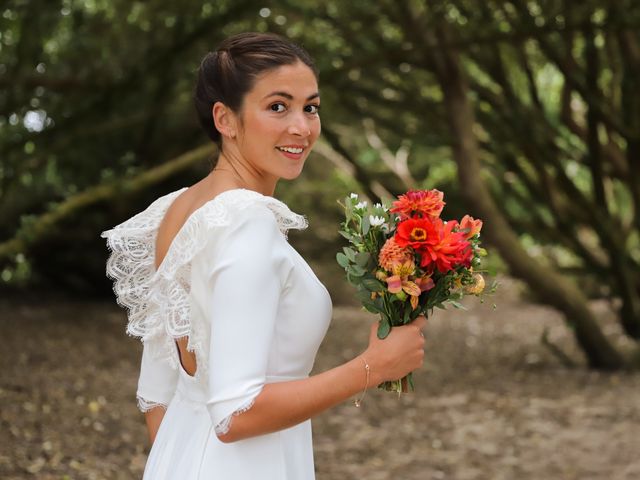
<point>374,372</point>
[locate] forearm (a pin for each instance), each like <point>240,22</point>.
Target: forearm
<point>285,404</point>
<point>153,419</point>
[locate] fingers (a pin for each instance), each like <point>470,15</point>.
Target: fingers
<point>418,325</point>
<point>420,322</point>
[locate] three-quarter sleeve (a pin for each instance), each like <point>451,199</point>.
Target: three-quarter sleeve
<point>246,280</point>
<point>157,381</point>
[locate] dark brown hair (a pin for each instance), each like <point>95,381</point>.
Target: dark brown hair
<point>228,74</point>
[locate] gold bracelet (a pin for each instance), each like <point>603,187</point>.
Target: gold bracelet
<point>357,402</point>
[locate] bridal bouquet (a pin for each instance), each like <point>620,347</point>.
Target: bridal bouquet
<point>405,260</point>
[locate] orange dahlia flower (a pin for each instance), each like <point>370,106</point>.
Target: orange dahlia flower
<point>392,254</point>
<point>421,203</point>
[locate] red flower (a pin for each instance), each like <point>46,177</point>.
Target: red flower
<point>421,203</point>
<point>416,233</point>
<point>437,243</point>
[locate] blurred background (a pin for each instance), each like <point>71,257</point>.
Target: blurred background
<point>525,113</point>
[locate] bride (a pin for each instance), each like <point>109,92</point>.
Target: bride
<point>230,315</point>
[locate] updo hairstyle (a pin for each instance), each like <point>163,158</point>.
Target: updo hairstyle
<point>229,73</point>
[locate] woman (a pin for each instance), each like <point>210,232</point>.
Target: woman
<point>230,315</point>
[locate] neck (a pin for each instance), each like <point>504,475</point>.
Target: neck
<point>241,174</point>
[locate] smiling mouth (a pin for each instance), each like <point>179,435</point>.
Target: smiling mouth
<point>295,150</point>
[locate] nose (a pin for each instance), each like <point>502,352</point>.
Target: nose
<point>299,126</point>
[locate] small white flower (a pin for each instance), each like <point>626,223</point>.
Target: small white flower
<point>361,205</point>
<point>354,196</point>
<point>376,221</point>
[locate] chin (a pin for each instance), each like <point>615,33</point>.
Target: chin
<point>291,175</point>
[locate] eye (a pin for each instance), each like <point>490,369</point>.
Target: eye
<point>275,107</point>
<point>313,109</point>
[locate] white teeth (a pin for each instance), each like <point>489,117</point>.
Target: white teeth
<point>291,150</point>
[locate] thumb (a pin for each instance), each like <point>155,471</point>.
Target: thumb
<point>373,331</point>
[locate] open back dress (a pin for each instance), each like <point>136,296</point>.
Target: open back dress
<point>254,313</point>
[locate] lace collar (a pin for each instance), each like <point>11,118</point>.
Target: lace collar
<point>157,301</point>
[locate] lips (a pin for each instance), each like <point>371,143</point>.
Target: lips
<point>294,149</point>
<point>293,152</point>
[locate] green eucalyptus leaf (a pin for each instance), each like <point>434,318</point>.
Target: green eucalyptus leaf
<point>342,260</point>
<point>363,295</point>
<point>372,285</point>
<point>379,301</point>
<point>345,234</point>
<point>356,271</point>
<point>371,306</point>
<point>350,253</point>
<point>366,225</point>
<point>407,313</point>
<point>383,329</point>
<point>362,258</point>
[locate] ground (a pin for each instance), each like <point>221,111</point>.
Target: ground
<point>491,401</point>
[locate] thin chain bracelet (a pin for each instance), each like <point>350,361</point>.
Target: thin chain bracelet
<point>358,401</point>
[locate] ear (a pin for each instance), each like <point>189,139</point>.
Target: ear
<point>224,119</point>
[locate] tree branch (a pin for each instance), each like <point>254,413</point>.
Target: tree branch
<point>34,231</point>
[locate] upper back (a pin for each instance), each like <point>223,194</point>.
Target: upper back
<point>179,212</point>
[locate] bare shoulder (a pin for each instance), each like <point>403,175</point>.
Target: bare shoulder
<point>180,210</point>
<point>175,217</point>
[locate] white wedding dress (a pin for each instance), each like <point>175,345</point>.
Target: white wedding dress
<point>254,313</point>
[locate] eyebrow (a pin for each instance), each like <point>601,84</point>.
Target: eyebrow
<point>288,96</point>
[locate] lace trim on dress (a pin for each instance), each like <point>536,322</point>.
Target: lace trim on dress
<point>157,301</point>
<point>146,405</point>
<point>225,425</point>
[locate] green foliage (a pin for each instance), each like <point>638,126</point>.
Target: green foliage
<point>101,90</point>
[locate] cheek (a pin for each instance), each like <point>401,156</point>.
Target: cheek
<point>259,130</point>
<point>316,128</point>
<point>270,128</point>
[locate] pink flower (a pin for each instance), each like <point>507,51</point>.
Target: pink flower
<point>397,284</point>
<point>425,283</point>
<point>400,282</point>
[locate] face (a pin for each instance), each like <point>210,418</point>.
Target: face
<point>279,121</point>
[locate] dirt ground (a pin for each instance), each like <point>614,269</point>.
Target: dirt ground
<point>491,401</point>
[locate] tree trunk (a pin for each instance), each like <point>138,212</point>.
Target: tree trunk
<point>547,283</point>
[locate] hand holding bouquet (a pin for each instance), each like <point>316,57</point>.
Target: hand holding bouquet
<point>405,260</point>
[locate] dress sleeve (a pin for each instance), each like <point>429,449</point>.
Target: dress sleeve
<point>247,277</point>
<point>157,381</point>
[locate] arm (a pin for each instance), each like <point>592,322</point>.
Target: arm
<point>153,419</point>
<point>156,385</point>
<point>285,404</point>
<point>249,272</point>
